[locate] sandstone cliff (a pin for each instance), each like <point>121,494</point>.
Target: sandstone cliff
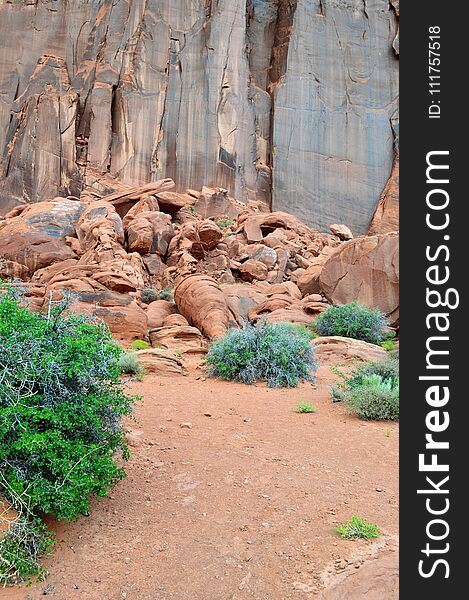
<point>291,102</point>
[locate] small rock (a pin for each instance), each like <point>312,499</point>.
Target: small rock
<point>341,231</point>
<point>185,425</point>
<point>302,587</point>
<point>265,255</point>
<point>253,269</point>
<point>134,438</point>
<point>207,414</point>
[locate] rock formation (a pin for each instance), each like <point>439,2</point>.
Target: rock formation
<point>120,256</point>
<point>386,217</point>
<point>332,132</point>
<point>367,270</point>
<point>287,102</point>
<point>202,302</point>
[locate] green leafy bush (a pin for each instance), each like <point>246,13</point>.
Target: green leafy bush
<point>61,407</point>
<point>128,363</point>
<point>61,404</point>
<point>279,353</point>
<point>354,321</point>
<point>139,345</point>
<point>358,529</point>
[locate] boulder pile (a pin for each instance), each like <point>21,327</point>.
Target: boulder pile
<point>177,268</point>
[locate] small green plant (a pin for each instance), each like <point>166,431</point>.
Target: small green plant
<point>388,368</point>
<point>358,529</point>
<point>148,295</point>
<point>223,223</point>
<point>22,545</point>
<point>192,210</point>
<point>310,327</point>
<point>354,321</point>
<point>139,345</point>
<point>166,294</point>
<point>279,353</point>
<point>304,407</point>
<point>388,345</point>
<point>128,363</point>
<point>305,330</point>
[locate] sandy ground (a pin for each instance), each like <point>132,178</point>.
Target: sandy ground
<point>230,495</point>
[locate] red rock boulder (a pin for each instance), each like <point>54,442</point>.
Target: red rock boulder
<point>365,269</point>
<point>34,236</point>
<point>121,313</point>
<point>150,232</point>
<point>203,303</point>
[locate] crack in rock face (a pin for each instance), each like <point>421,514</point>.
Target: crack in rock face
<point>288,102</point>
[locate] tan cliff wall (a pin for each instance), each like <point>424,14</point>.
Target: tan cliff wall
<point>289,101</point>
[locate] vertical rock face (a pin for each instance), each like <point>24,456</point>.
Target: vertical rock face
<point>332,133</point>
<point>285,101</point>
<point>39,156</point>
<point>386,217</point>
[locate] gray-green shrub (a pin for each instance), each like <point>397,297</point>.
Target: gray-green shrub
<point>375,399</point>
<point>128,363</point>
<point>166,294</point>
<point>387,369</point>
<point>22,545</point>
<point>371,391</point>
<point>279,353</point>
<point>148,295</point>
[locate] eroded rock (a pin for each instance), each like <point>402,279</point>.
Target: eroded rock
<point>160,362</point>
<point>334,349</point>
<point>365,269</point>
<point>124,317</point>
<point>34,236</point>
<point>182,339</point>
<point>202,302</point>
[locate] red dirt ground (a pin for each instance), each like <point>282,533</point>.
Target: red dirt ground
<point>240,505</point>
